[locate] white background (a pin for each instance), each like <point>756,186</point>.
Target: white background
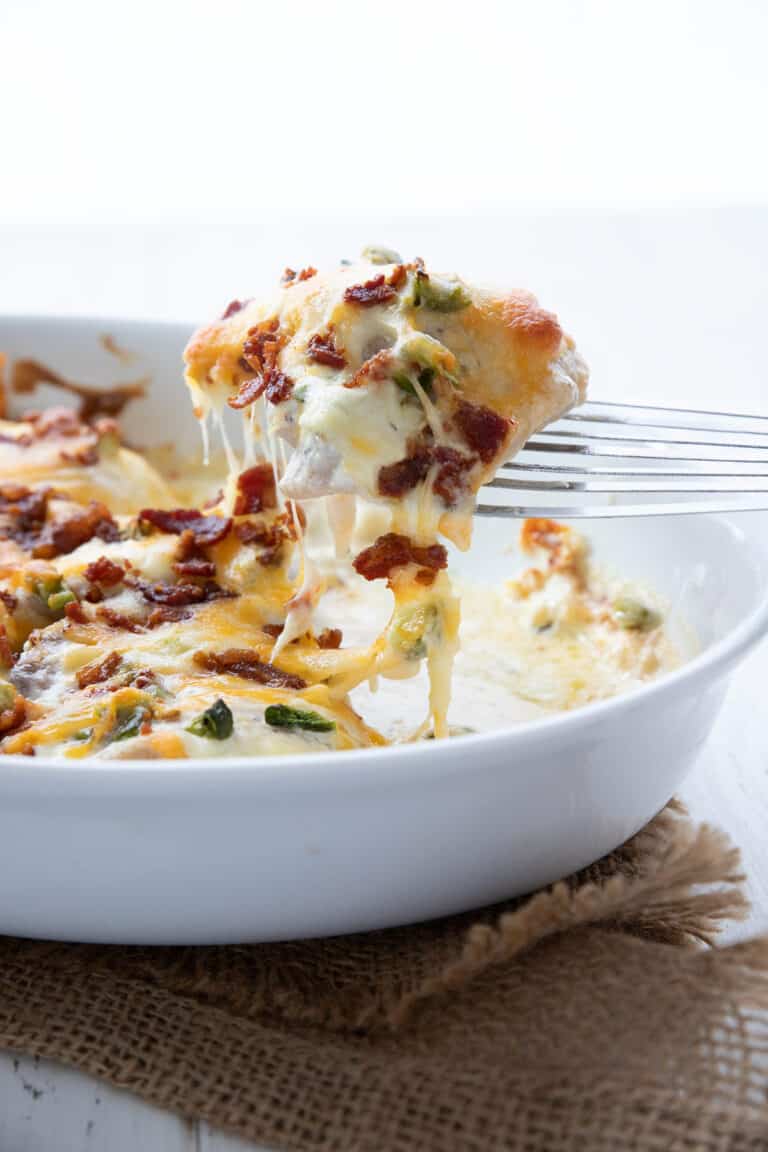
<point>160,158</point>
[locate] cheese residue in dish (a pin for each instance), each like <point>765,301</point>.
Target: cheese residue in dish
<point>143,615</point>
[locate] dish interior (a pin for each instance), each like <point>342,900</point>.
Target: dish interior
<point>679,559</point>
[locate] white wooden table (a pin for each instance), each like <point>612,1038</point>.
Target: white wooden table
<point>666,308</point>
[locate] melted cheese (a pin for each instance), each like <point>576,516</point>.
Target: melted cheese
<point>159,643</point>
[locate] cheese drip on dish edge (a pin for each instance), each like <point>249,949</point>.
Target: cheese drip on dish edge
<point>388,395</point>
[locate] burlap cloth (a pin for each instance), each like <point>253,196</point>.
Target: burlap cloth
<point>590,1016</point>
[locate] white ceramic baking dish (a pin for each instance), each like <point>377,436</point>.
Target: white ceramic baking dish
<point>273,848</point>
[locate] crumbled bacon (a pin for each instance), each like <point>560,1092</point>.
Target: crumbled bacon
<point>165,614</point>
<point>179,594</point>
<point>22,513</point>
<point>243,662</point>
<point>450,478</point>
<point>323,350</point>
<point>74,611</point>
<point>273,384</point>
<point>233,308</point>
<point>374,368</point>
<point>425,576</point>
<point>402,476</point>
<point>115,619</point>
<point>255,490</point>
<point>393,551</point>
<point>104,571</point>
<point>100,671</point>
<point>260,352</point>
<point>272,630</point>
<point>372,292</point>
<point>251,532</point>
<point>483,429</point>
<point>61,536</point>
<point>279,387</point>
<point>330,638</point>
<point>263,344</point>
<point>289,275</point>
<point>270,538</point>
<point>12,718</point>
<point>196,566</point>
<point>248,391</point>
<point>398,276</point>
<point>10,601</point>
<point>206,530</point>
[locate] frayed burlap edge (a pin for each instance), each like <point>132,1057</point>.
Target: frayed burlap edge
<point>572,1019</point>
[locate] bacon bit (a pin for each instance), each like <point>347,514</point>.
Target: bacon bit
<point>23,519</point>
<point>233,308</point>
<point>450,479</point>
<point>206,530</point>
<point>247,393</point>
<point>22,513</point>
<point>173,594</point>
<point>375,368</point>
<point>274,384</point>
<point>98,672</point>
<point>483,429</point>
<point>279,387</point>
<point>116,619</point>
<point>255,490</point>
<point>306,274</point>
<point>397,276</point>
<point>94,595</point>
<point>59,537</point>
<point>371,293</point>
<point>402,476</point>
<point>74,612</point>
<point>243,662</point>
<point>12,718</point>
<point>249,532</point>
<point>271,539</point>
<point>395,551</point>
<point>167,614</point>
<point>273,630</point>
<point>323,350</point>
<point>425,576</point>
<point>104,571</point>
<point>263,344</point>
<point>10,601</point>
<point>330,638</point>
<point>195,566</point>
<point>260,352</point>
